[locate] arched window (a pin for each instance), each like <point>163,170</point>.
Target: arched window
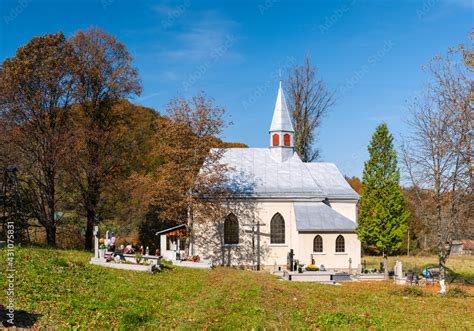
<point>287,139</point>
<point>277,229</point>
<point>340,245</point>
<point>318,244</point>
<point>276,139</point>
<point>231,230</point>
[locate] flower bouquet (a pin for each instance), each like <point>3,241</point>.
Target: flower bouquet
<point>101,248</point>
<point>312,267</point>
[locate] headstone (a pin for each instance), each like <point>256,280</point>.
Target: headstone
<point>398,269</point>
<point>350,265</point>
<point>442,291</point>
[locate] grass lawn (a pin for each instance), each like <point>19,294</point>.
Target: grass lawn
<point>64,291</point>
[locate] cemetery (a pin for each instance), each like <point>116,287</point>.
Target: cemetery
<point>106,254</point>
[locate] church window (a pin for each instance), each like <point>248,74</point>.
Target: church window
<point>231,230</point>
<point>287,139</point>
<point>318,244</point>
<point>276,140</point>
<point>340,244</point>
<point>277,229</point>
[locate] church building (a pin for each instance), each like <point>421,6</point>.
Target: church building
<point>306,210</point>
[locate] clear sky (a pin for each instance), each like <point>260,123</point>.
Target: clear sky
<point>369,52</point>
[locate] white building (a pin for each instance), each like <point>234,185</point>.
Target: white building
<point>306,208</point>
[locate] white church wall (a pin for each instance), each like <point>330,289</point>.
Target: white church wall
<point>209,239</point>
<point>277,253</point>
<point>348,209</point>
<point>329,258</point>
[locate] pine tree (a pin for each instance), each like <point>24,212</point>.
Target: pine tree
<point>382,214</point>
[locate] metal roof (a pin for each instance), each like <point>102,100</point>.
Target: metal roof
<point>170,229</point>
<point>281,117</point>
<point>261,173</point>
<point>258,172</point>
<point>330,180</point>
<point>317,216</point>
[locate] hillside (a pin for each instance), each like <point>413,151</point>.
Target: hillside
<point>58,288</point>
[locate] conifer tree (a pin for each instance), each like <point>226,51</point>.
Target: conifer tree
<point>383,215</point>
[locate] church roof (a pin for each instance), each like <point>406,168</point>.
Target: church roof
<point>317,216</point>
<point>257,172</point>
<point>281,117</point>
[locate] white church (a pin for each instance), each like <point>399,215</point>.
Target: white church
<point>306,210</point>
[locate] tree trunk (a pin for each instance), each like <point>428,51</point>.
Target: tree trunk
<point>51,235</point>
<point>89,229</point>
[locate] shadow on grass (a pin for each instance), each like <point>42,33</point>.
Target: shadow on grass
<point>22,319</point>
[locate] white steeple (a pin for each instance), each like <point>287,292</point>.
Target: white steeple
<point>281,129</point>
<point>281,118</point>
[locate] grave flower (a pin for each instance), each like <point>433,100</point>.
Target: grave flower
<point>312,267</point>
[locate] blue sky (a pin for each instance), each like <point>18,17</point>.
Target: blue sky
<point>369,52</point>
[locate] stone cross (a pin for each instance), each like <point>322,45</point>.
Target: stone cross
<point>96,241</point>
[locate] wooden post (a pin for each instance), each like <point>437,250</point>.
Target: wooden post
<point>258,246</point>
<point>408,244</point>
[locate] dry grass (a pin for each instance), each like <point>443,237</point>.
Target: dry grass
<point>459,263</point>
<point>66,292</point>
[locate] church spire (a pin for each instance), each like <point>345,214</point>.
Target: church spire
<point>281,129</point>
<point>281,118</point>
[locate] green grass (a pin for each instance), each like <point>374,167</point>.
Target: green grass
<point>67,293</point>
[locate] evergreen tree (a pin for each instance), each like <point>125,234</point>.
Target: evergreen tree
<point>382,214</point>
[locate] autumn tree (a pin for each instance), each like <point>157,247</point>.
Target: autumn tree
<point>187,144</point>
<point>309,101</point>
<point>355,183</point>
<point>103,75</point>
<point>36,95</point>
<point>437,153</point>
<point>382,214</point>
